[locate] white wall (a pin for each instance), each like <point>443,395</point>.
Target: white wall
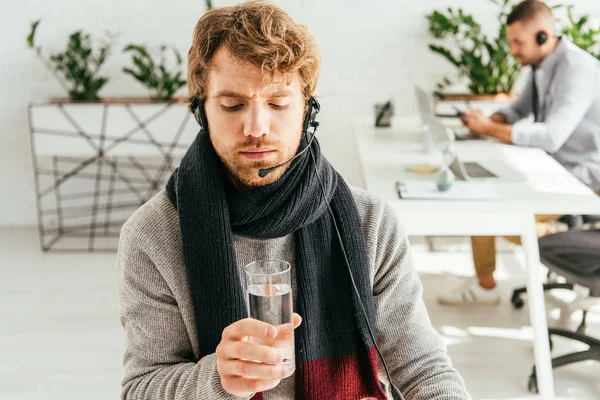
<point>371,50</point>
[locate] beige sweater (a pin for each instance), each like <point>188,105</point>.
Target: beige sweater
<point>161,354</point>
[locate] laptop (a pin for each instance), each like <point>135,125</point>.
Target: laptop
<point>424,102</point>
<point>495,170</point>
<point>426,108</point>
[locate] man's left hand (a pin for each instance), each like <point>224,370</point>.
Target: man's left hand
<point>476,122</point>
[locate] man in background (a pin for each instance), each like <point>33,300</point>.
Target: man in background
<point>562,93</point>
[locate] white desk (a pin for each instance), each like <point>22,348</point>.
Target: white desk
<point>548,189</point>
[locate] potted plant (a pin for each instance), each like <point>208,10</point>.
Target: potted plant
<point>77,68</point>
<point>486,62</point>
<point>154,74</point>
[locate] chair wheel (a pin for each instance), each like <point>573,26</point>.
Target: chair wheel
<point>532,385</point>
<point>517,302</point>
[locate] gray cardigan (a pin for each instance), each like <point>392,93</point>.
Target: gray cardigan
<point>157,314</point>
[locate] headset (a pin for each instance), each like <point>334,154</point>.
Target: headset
<point>313,108</point>
<point>541,37</point>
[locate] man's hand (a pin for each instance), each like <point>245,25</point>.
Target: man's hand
<point>494,127</point>
<point>476,122</point>
<point>247,367</point>
<point>499,118</point>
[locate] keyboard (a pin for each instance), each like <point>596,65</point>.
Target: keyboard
<point>475,170</point>
<point>468,136</point>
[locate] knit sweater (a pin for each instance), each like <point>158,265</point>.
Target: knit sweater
<point>161,358</point>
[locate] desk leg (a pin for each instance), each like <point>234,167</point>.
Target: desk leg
<point>537,308</point>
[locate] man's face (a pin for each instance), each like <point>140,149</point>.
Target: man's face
<point>523,44</point>
<point>252,124</point>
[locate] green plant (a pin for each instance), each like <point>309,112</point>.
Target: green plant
<point>77,67</point>
<point>583,35</point>
<point>154,73</point>
<point>486,62</point>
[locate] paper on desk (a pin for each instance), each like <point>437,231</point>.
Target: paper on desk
<point>461,190</point>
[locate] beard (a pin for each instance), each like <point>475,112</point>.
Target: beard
<point>244,172</point>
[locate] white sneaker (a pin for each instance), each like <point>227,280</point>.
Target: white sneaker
<point>470,293</point>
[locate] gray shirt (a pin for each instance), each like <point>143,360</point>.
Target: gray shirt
<point>161,344</point>
<point>568,127</point>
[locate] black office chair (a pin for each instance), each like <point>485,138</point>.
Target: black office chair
<point>575,223</point>
<point>574,255</point>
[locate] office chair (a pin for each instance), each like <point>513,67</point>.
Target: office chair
<point>575,223</point>
<point>574,255</point>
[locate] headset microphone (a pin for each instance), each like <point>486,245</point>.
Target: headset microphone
<point>313,108</point>
<point>266,171</point>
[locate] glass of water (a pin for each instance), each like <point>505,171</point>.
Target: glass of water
<point>269,291</point>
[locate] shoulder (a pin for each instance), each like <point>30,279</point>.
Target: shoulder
<point>577,60</point>
<point>370,206</point>
<point>155,223</point>
<point>380,224</point>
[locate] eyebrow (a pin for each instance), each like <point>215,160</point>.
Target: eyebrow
<point>236,95</point>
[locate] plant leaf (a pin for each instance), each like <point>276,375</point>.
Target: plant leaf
<point>31,36</point>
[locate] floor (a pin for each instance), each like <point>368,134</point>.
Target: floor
<point>62,339</point>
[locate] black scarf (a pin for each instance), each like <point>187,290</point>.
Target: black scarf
<point>335,356</point>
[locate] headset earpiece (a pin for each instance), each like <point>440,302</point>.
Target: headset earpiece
<point>541,37</point>
<point>197,108</point>
<point>313,108</point>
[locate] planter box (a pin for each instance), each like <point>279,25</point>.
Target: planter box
<point>95,163</point>
<point>468,97</point>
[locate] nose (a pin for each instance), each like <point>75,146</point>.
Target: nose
<point>257,123</point>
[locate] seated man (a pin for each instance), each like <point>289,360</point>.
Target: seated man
<point>248,190</point>
<point>563,94</point>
